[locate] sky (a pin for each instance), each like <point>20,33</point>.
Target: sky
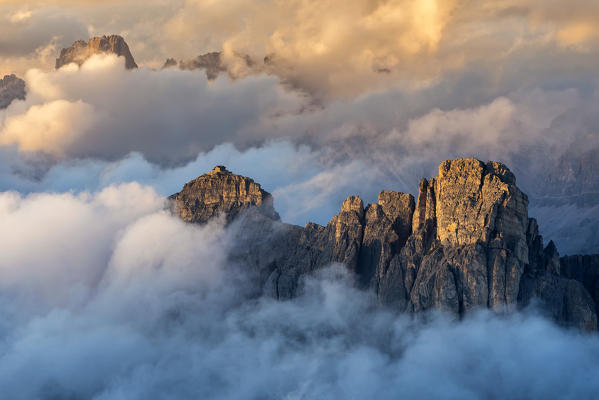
<point>339,98</point>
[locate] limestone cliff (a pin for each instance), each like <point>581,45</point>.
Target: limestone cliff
<point>11,88</point>
<point>80,51</point>
<point>469,249</point>
<point>466,243</point>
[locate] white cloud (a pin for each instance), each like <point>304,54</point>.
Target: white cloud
<point>55,247</point>
<point>162,314</point>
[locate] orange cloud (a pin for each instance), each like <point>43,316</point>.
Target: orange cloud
<point>49,127</point>
<point>330,48</point>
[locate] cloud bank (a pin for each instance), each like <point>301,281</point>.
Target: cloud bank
<point>105,112</point>
<point>102,111</point>
<point>130,302</point>
<point>83,128</point>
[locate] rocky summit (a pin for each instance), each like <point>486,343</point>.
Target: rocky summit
<point>80,51</point>
<point>11,88</point>
<point>466,243</point>
<point>221,192</point>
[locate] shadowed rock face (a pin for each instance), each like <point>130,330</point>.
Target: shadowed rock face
<point>80,51</point>
<point>11,88</point>
<point>212,63</point>
<point>465,243</point>
<point>584,269</point>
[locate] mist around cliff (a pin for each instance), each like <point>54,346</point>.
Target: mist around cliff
<point>84,128</point>
<point>124,301</point>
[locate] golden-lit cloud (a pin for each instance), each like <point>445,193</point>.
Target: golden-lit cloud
<point>27,27</point>
<point>329,48</point>
<point>20,16</point>
<point>102,110</point>
<point>336,48</point>
<point>48,128</point>
<point>571,23</point>
<point>323,44</point>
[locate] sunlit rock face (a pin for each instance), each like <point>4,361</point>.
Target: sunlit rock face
<point>80,51</point>
<point>479,225</point>
<point>221,192</point>
<point>11,88</point>
<point>465,243</point>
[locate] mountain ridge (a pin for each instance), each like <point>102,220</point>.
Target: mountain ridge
<point>465,243</point>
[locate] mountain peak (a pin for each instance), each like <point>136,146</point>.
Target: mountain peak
<point>11,88</point>
<point>80,50</point>
<point>221,192</point>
